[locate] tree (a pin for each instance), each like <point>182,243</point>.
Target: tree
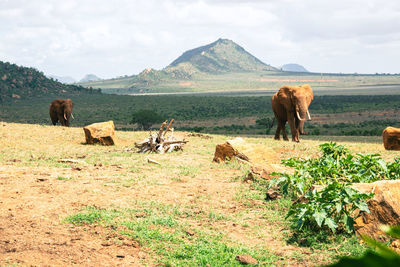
<point>268,123</point>
<point>145,118</point>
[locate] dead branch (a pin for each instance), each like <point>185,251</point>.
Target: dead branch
<point>158,143</point>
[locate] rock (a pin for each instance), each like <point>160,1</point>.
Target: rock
<point>391,138</point>
<point>273,194</point>
<point>102,132</point>
<point>263,159</point>
<point>230,150</point>
<point>246,259</point>
<point>384,207</point>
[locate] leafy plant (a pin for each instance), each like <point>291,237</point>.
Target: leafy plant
<point>333,206</point>
<point>330,207</point>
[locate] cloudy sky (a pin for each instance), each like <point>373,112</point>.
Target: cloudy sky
<point>123,37</point>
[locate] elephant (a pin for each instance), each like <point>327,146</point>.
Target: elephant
<point>290,104</point>
<point>61,110</point>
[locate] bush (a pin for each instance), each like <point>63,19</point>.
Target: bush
<point>336,169</point>
<point>146,118</point>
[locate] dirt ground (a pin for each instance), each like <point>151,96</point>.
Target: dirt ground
<point>37,192</point>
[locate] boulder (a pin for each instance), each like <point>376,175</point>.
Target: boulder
<point>101,132</point>
<point>246,259</point>
<point>384,207</point>
<point>391,138</point>
<point>262,159</point>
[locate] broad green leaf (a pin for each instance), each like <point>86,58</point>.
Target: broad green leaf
<point>363,206</point>
<point>348,223</point>
<point>339,207</point>
<point>331,224</point>
<point>319,217</point>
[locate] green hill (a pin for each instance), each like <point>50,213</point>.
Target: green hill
<point>220,56</point>
<point>17,82</point>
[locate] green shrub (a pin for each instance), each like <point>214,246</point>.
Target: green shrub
<point>332,207</point>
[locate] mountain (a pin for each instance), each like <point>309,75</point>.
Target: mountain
<point>63,79</point>
<point>17,82</point>
<point>294,68</point>
<point>90,78</point>
<point>220,56</point>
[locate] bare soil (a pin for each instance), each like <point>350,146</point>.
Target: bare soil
<point>37,193</point>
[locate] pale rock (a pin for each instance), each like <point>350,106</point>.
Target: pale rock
<point>101,132</point>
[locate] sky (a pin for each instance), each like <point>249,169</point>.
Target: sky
<point>123,37</point>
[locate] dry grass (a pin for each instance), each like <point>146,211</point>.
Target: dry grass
<point>38,192</point>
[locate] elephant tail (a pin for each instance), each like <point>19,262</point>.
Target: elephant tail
<point>270,125</point>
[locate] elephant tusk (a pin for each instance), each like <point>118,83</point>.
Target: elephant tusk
<point>65,117</point>
<point>308,114</point>
<point>72,116</point>
<point>298,116</point>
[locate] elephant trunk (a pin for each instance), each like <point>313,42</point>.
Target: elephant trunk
<point>302,112</point>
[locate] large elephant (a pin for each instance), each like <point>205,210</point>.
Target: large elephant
<point>61,110</point>
<point>290,104</point>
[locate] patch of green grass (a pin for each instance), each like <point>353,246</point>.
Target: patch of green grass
<point>62,178</point>
<point>92,215</point>
<point>166,235</point>
<point>191,171</point>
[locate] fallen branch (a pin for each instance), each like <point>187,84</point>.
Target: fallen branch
<point>158,143</point>
<point>153,161</point>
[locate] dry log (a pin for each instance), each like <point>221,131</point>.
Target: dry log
<point>158,143</point>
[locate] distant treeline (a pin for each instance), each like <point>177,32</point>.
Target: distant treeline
<point>119,108</point>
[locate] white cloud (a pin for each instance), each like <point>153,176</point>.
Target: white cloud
<point>112,38</point>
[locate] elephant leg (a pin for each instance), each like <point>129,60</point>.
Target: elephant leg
<point>285,137</point>
<point>61,119</point>
<point>54,118</point>
<point>278,130</point>
<point>293,129</point>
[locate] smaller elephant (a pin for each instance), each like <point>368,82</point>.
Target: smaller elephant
<point>61,110</point>
<point>290,104</point>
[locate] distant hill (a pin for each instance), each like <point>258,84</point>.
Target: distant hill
<point>220,56</point>
<point>294,68</point>
<point>63,79</point>
<point>90,78</point>
<point>18,82</point>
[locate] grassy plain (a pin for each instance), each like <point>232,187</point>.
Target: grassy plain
<point>110,206</point>
<point>241,82</point>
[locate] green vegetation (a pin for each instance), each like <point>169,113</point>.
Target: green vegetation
<point>18,82</point>
<point>333,206</point>
<point>146,118</point>
<point>380,255</point>
<point>237,115</point>
<point>159,228</point>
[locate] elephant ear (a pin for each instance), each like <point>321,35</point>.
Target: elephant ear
<point>285,96</point>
